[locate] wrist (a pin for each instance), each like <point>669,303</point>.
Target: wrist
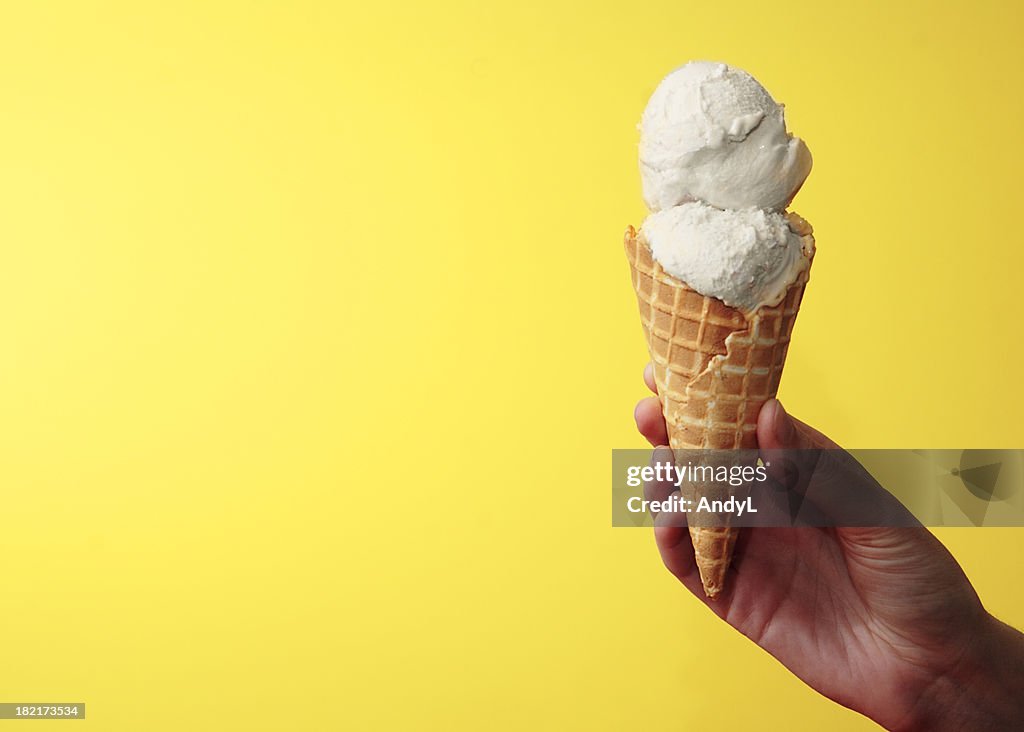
<point>982,690</point>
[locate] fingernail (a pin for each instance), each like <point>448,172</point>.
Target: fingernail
<point>782,425</point>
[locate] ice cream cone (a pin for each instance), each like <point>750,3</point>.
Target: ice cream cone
<point>714,366</point>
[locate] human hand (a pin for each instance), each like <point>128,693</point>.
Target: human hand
<point>880,619</point>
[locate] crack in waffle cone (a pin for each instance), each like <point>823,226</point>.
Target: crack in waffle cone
<point>715,367</point>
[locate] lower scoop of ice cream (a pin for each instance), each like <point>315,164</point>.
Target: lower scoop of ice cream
<point>746,258</point>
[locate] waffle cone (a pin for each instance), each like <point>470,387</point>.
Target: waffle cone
<point>714,366</point>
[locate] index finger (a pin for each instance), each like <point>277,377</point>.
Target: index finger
<point>649,377</point>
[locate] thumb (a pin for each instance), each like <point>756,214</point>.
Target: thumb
<point>789,463</point>
<point>776,430</point>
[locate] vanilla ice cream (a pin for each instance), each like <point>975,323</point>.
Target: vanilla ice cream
<point>718,168</point>
<point>712,133</point>
<point>746,258</point>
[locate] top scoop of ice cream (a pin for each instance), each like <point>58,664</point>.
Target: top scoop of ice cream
<point>712,133</point>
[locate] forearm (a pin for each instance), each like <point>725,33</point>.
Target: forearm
<point>985,689</point>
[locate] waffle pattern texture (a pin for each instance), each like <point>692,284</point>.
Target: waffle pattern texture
<point>714,367</point>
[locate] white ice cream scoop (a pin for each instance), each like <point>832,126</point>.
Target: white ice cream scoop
<point>712,133</point>
<point>746,258</point>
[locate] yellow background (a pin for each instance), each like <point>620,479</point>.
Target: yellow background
<point>316,335</point>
